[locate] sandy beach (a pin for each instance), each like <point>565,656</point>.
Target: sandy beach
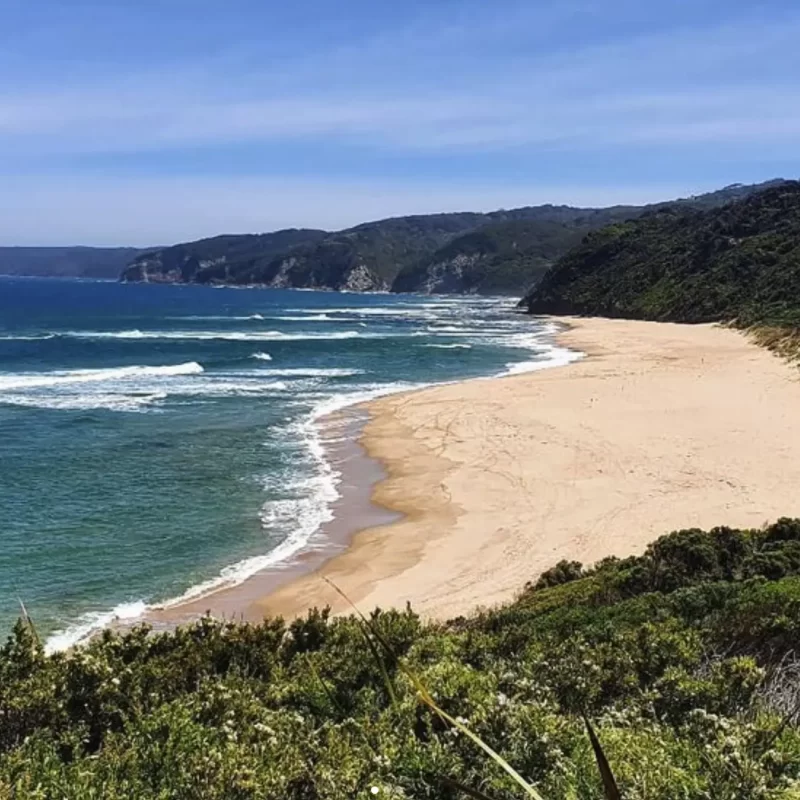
<point>660,427</point>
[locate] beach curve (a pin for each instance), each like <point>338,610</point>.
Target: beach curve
<point>664,426</point>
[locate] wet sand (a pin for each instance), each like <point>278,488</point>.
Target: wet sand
<point>353,511</point>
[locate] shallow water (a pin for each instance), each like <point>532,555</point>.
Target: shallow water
<point>155,440</point>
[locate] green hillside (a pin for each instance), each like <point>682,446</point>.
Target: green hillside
<point>504,251</point>
<point>740,262</point>
<point>367,257</point>
<point>505,257</point>
<point>684,660</point>
<point>512,252</point>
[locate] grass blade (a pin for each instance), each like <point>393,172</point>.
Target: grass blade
<point>428,700</point>
<point>382,667</point>
<point>368,628</point>
<point>496,757</point>
<point>454,784</point>
<point>29,622</point>
<point>609,783</point>
<point>322,683</point>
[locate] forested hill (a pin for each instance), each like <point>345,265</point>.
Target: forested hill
<point>370,256</point>
<point>512,255</point>
<point>738,262</point>
<point>503,251</point>
<point>65,262</point>
<point>506,257</point>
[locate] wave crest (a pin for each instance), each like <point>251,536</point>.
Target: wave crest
<point>38,380</point>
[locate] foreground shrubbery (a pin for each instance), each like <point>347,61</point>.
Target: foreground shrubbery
<point>683,659</point>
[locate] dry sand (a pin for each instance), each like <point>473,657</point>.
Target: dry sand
<point>661,427</point>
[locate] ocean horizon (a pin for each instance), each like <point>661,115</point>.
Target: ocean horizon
<point>160,441</point>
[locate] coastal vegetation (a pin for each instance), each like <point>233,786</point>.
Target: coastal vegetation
<point>682,660</point>
<point>501,252</point>
<point>495,258</point>
<point>739,263</point>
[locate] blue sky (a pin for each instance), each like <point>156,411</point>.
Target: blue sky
<point>150,122</point>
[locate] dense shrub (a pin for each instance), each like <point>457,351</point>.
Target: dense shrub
<point>678,657</point>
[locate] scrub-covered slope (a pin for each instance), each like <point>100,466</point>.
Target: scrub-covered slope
<point>740,262</point>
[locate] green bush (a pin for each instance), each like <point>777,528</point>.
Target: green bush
<point>672,654</point>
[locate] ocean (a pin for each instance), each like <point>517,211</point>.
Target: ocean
<point>157,441</point>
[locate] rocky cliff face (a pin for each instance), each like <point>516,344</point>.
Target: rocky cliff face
<point>299,272</point>
<point>361,279</point>
<point>450,276</point>
<point>153,269</point>
<point>221,259</point>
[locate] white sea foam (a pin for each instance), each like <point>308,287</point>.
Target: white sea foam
<point>86,402</point>
<point>307,318</point>
<point>31,380</point>
<point>365,311</point>
<point>216,318</point>
<point>449,329</point>
<point>138,388</point>
<point>231,336</point>
<point>552,357</point>
<point>242,384</point>
<point>91,623</point>
<point>311,372</point>
<point>31,338</point>
<point>450,346</point>
<point>262,356</point>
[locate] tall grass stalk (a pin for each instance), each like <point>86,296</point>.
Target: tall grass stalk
<point>424,695</point>
<point>610,787</point>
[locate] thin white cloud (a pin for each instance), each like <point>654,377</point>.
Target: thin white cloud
<point>403,94</point>
<point>535,77</point>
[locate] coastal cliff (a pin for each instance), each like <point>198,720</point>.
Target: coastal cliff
<point>500,252</point>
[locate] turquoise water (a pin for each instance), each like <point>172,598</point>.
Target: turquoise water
<point>157,439</point>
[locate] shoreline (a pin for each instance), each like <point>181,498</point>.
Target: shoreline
<point>352,511</point>
<point>357,509</point>
<point>661,427</point>
<point>476,516</point>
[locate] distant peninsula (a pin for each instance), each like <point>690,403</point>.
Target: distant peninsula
<point>104,263</point>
